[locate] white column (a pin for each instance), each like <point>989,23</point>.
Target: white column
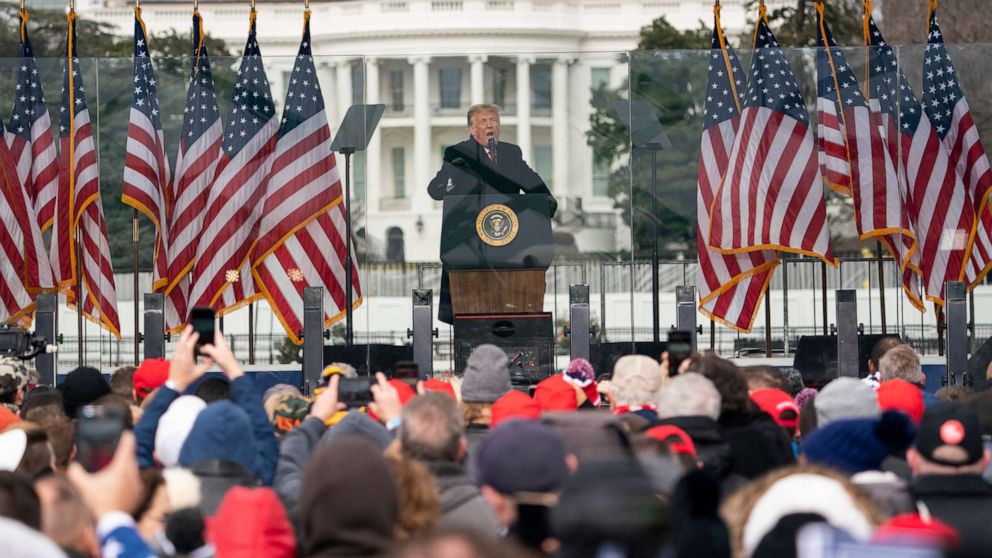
<point>523,107</point>
<point>373,155</point>
<point>420,201</point>
<point>478,77</point>
<point>343,82</point>
<point>559,126</point>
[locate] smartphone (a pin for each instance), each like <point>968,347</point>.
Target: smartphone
<point>407,371</point>
<point>98,430</point>
<point>679,349</point>
<point>355,392</point>
<point>203,319</point>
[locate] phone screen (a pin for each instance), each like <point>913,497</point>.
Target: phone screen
<point>203,320</point>
<point>355,392</point>
<point>679,349</point>
<point>98,429</point>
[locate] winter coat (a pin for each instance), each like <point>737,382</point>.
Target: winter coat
<point>462,505</point>
<point>963,502</point>
<point>757,443</point>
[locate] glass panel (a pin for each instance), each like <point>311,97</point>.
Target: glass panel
<point>451,87</point>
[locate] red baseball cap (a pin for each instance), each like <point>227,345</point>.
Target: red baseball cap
<point>665,433</point>
<point>434,384</point>
<point>899,395</point>
<point>514,405</point>
<point>776,403</point>
<point>150,375</point>
<point>403,389</point>
<point>555,394</point>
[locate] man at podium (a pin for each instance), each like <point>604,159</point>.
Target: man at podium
<point>480,165</point>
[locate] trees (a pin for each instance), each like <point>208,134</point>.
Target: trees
<point>669,71</point>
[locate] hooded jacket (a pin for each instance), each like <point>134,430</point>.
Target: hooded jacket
<point>711,447</point>
<point>348,501</point>
<point>238,432</point>
<point>250,523</point>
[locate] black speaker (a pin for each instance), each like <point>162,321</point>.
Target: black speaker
<point>369,358</point>
<point>603,356</point>
<point>816,356</point>
<point>527,339</point>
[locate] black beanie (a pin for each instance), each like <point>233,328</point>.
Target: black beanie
<point>82,386</point>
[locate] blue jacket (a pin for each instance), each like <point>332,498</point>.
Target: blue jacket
<point>237,431</point>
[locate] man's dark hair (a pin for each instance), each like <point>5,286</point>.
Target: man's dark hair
<point>18,500</point>
<point>729,381</point>
<point>214,389</point>
<point>122,382</point>
<point>40,404</point>
<point>37,459</point>
<point>881,347</point>
<point>432,428</point>
<point>61,435</point>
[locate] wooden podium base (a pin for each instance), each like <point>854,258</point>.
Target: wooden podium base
<point>498,291</point>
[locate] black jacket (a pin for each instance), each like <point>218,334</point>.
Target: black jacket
<point>963,502</point>
<point>467,170</point>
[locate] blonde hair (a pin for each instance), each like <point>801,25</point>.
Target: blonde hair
<point>482,107</point>
<point>477,413</point>
<point>420,503</point>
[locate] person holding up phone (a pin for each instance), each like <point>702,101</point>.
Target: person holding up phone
<point>231,443</point>
<point>300,442</point>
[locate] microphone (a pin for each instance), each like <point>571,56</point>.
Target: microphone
<point>492,147</point>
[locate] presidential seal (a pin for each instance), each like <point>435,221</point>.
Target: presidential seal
<point>497,225</point>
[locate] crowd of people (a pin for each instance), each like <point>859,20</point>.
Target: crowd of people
<point>710,460</point>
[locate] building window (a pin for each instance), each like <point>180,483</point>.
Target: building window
<point>499,86</point>
<point>540,82</point>
<point>399,173</point>
<point>451,87</point>
<point>396,90</point>
<point>600,178</point>
<point>357,83</point>
<point>600,78</point>
<point>544,164</point>
<point>358,174</point>
<point>395,249</point>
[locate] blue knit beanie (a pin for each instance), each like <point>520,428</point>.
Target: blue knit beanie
<point>856,445</point>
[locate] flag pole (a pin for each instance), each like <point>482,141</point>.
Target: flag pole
<point>73,222</point>
<point>134,245</point>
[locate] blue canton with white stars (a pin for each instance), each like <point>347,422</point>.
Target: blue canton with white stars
<point>145,97</point>
<point>29,99</point>
<point>251,105</point>
<point>78,97</point>
<point>304,99</point>
<point>201,99</point>
<point>941,90</point>
<point>884,75</point>
<point>827,52</point>
<point>720,102</point>
<point>773,85</point>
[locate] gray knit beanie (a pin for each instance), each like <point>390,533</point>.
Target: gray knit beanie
<point>487,376</point>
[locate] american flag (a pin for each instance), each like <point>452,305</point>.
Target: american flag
<point>730,286</point>
<point>222,274</point>
<point>853,148</point>
<point>146,167</point>
<point>29,134</point>
<point>24,266</point>
<point>771,197</point>
<point>938,204</point>
<point>79,211</point>
<point>948,110</point>
<point>199,147</point>
<point>301,241</point>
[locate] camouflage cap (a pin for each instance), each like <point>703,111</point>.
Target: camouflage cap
<point>289,413</point>
<point>14,371</point>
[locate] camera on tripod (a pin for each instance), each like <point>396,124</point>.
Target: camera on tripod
<point>20,343</point>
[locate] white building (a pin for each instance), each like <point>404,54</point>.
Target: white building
<point>428,61</point>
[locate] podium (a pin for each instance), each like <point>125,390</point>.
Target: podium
<point>497,248</point>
